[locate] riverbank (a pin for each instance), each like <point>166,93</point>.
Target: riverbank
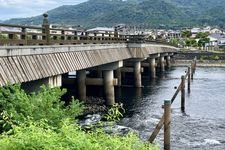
<point>204,58</point>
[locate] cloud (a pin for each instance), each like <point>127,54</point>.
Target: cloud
<point>28,8</point>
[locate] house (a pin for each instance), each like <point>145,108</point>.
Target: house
<point>215,31</point>
<point>195,31</point>
<point>100,31</point>
<point>216,40</point>
<point>173,34</point>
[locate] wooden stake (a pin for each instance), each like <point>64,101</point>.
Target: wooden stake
<point>183,93</point>
<point>189,79</point>
<point>167,120</point>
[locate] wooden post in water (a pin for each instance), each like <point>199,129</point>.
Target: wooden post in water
<point>189,79</point>
<point>182,93</point>
<point>192,70</point>
<point>195,62</point>
<point>167,120</point>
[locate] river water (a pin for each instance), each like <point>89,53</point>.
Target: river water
<point>201,127</point>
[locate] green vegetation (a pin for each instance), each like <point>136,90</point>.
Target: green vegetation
<point>213,57</point>
<point>2,37</point>
<point>186,34</point>
<point>41,121</point>
<point>145,13</point>
<point>114,113</point>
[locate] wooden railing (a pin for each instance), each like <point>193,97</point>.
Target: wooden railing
<point>166,120</point>
<point>13,35</point>
<point>29,35</point>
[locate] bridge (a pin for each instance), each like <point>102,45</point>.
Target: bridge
<point>36,56</point>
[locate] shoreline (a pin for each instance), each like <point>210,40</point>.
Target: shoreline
<point>206,63</point>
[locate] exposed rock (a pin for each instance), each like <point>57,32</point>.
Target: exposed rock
<point>94,121</point>
<point>119,130</point>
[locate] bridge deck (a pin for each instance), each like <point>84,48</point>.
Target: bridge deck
<point>28,63</point>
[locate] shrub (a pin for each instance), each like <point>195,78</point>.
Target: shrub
<point>41,121</point>
<point>45,104</point>
<point>39,135</point>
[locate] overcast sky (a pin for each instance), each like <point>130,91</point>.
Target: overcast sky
<point>27,8</point>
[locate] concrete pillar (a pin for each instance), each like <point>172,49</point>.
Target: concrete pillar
<point>137,74</point>
<point>109,87</point>
<point>168,62</point>
<point>118,76</point>
<point>162,65</point>
<point>152,68</point>
<point>81,85</point>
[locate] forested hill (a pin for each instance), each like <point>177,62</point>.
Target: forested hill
<point>147,13</point>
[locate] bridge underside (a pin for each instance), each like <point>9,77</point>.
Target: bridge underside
<point>31,63</point>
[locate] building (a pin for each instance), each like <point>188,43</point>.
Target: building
<point>173,34</point>
<point>101,31</point>
<point>216,40</point>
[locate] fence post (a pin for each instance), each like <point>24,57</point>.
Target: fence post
<point>183,93</point>
<point>46,29</point>
<point>167,120</point>
<point>189,79</point>
<point>195,62</point>
<point>192,70</point>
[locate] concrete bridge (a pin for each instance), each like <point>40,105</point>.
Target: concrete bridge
<point>38,62</point>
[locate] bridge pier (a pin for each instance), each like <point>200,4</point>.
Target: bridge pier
<point>109,81</point>
<point>81,84</point>
<point>152,65</point>
<point>168,63</point>
<point>168,60</point>
<point>162,61</point>
<point>109,87</point>
<point>137,74</point>
<point>162,64</point>
<point>118,75</point>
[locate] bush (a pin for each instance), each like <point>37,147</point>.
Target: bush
<point>39,135</point>
<point>41,121</point>
<point>46,104</point>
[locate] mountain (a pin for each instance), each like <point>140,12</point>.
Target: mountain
<point>148,13</point>
<point>214,15</point>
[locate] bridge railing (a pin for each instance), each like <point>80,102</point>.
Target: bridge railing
<point>28,35</point>
<point>19,35</point>
<point>11,35</point>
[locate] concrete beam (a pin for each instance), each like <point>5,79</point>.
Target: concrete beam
<point>99,81</point>
<point>154,55</point>
<point>129,69</point>
<point>163,54</point>
<point>111,66</point>
<point>35,50</point>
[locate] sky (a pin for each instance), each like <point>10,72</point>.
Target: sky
<point>28,8</point>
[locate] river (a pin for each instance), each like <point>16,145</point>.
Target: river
<point>201,127</point>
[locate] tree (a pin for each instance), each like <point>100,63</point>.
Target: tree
<point>191,42</point>
<point>186,34</point>
<point>202,35</point>
<point>203,41</point>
